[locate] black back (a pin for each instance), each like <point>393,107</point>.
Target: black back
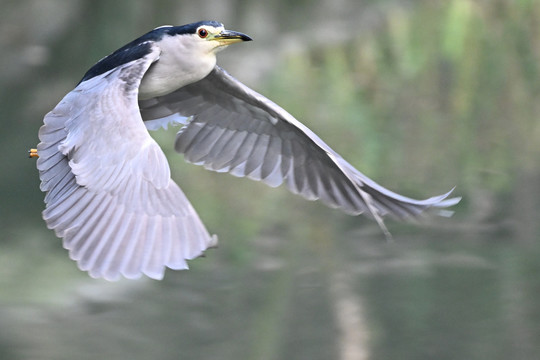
<point>140,47</point>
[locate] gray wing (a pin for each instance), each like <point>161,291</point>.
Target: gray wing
<point>234,129</point>
<point>109,192</point>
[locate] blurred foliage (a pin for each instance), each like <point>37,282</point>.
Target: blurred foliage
<point>429,96</point>
<point>444,92</point>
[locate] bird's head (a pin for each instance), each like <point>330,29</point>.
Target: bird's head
<point>212,36</point>
<point>203,37</point>
<point>188,54</point>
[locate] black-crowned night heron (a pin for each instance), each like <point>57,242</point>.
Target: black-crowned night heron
<point>109,190</point>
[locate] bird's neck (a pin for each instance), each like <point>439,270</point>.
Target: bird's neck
<point>177,66</point>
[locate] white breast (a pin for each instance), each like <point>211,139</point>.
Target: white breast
<point>183,60</point>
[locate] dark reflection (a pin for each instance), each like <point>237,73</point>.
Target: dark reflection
<point>424,297</point>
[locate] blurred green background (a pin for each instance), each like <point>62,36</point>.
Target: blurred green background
<point>419,95</point>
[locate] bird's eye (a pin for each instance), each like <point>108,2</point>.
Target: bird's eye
<point>202,33</point>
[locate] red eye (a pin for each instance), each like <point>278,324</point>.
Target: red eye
<point>202,33</point>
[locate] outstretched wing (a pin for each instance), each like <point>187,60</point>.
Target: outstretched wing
<point>234,129</point>
<point>109,192</point>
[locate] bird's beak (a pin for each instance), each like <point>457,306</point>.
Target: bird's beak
<point>227,37</point>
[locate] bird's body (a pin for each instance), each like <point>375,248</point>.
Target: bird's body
<point>109,191</point>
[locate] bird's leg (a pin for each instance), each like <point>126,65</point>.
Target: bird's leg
<point>32,153</point>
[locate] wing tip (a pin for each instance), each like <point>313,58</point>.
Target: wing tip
<point>442,201</point>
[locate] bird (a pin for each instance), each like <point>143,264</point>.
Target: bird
<point>109,192</point>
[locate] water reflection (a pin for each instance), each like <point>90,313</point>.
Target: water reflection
<point>427,295</point>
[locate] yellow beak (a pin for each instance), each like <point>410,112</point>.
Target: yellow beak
<point>227,37</point>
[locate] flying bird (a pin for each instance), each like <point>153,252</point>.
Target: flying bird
<point>109,192</point>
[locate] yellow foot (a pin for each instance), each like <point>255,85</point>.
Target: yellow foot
<point>32,153</point>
